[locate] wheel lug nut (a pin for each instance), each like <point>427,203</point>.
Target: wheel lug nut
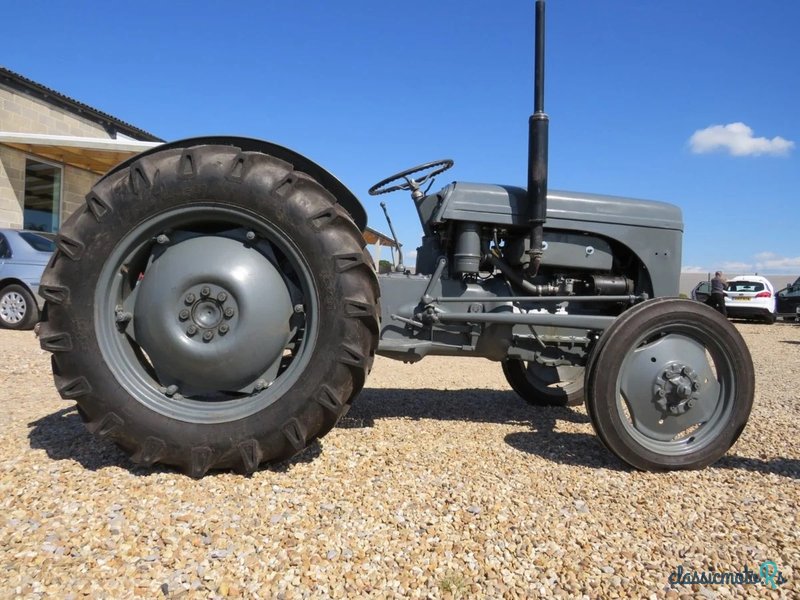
<point>171,390</point>
<point>260,385</point>
<point>229,312</point>
<point>205,291</point>
<point>191,330</point>
<point>184,314</point>
<point>208,336</point>
<point>162,239</point>
<point>298,308</point>
<point>223,329</point>
<point>222,296</point>
<point>190,298</point>
<point>251,235</point>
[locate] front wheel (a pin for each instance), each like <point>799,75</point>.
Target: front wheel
<point>210,308</point>
<point>670,385</point>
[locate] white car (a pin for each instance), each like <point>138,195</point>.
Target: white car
<point>750,297</point>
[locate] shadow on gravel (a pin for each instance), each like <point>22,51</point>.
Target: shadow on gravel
<point>63,436</point>
<point>790,342</point>
<point>474,405</point>
<point>786,467</point>
<point>488,406</point>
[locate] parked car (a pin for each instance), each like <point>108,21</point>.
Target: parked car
<point>787,301</point>
<point>750,297</point>
<point>23,256</point>
<point>701,291</point>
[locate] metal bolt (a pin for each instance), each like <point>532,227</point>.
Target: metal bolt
<point>222,296</point>
<point>171,390</point>
<point>205,291</point>
<point>223,329</point>
<point>191,330</point>
<point>184,314</point>
<point>190,298</point>
<point>162,239</point>
<point>121,316</point>
<point>229,312</point>
<point>251,235</point>
<point>298,308</point>
<point>690,403</point>
<point>208,336</point>
<point>260,385</point>
<point>589,250</point>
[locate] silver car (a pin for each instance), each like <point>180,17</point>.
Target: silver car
<point>23,256</point>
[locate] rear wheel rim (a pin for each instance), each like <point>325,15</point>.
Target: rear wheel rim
<point>203,312</point>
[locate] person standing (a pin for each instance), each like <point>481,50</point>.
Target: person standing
<point>717,298</point>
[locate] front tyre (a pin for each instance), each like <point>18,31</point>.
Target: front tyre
<point>670,385</point>
<point>210,308</point>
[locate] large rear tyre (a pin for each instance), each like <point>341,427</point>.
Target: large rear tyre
<point>670,385</point>
<point>542,385</point>
<point>210,308</point>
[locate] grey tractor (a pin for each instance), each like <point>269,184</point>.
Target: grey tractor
<point>212,305</point>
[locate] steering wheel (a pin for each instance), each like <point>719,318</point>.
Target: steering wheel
<point>434,168</point>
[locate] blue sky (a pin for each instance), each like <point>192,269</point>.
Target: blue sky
<point>692,102</point>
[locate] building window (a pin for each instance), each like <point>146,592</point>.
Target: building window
<point>42,196</point>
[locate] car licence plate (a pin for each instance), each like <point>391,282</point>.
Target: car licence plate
<point>742,298</point>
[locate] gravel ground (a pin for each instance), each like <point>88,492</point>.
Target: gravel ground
<point>440,483</point>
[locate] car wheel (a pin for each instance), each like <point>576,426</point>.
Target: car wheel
<point>18,309</point>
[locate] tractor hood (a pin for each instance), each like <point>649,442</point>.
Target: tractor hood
<point>507,205</point>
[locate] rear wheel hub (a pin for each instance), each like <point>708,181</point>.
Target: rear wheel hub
<point>212,314</point>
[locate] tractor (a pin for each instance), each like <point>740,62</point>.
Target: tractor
<point>212,305</point>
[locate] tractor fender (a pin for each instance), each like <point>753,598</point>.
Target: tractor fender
<point>344,196</point>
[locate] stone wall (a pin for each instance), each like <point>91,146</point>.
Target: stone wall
<point>77,184</point>
<point>24,114</point>
<point>12,181</point>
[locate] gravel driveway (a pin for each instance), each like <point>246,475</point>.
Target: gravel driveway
<point>440,483</point>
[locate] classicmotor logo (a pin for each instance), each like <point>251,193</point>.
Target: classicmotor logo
<point>767,574</point>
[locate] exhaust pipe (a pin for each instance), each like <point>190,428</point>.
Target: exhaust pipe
<point>538,126</point>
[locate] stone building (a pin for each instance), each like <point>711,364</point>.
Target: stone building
<point>52,150</point>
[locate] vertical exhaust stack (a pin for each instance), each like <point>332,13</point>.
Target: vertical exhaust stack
<point>538,126</point>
